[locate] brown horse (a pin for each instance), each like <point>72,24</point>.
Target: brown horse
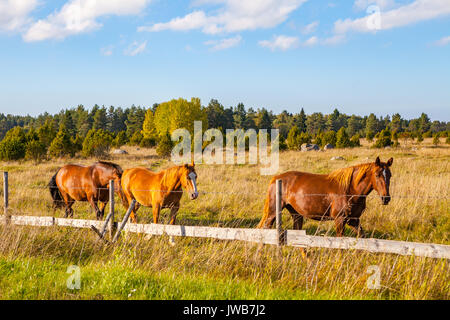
<point>158,190</point>
<point>81,183</point>
<point>340,195</point>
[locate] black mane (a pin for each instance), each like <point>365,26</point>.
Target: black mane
<point>111,164</point>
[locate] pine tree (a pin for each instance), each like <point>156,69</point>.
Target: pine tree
<point>165,145</point>
<point>100,119</point>
<point>61,146</point>
<point>292,138</point>
<point>342,139</point>
<point>148,131</point>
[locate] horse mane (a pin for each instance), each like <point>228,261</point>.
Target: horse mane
<point>343,176</point>
<point>170,175</point>
<point>111,164</point>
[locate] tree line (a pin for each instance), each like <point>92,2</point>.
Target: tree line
<point>93,132</point>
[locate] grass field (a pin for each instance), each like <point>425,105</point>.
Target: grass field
<point>33,261</point>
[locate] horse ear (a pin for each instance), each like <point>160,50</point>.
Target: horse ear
<point>390,161</point>
<point>377,161</point>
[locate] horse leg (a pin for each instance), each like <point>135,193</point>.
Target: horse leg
<point>173,214</point>
<point>339,222</point>
<point>156,210</point>
<point>355,224</point>
<point>102,209</point>
<point>93,203</point>
<point>296,217</point>
<point>68,202</point>
<point>133,215</point>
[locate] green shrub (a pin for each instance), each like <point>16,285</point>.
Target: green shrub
<point>165,145</point>
<point>13,145</point>
<point>97,143</point>
<point>354,141</point>
<point>329,137</point>
<point>12,149</point>
<point>136,139</point>
<point>35,150</point>
<point>342,139</point>
<point>61,146</point>
<point>120,139</point>
<point>369,136</point>
<point>291,141</point>
<point>436,139</point>
<point>384,139</point>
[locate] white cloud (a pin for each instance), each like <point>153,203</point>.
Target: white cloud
<point>107,51</point>
<point>14,13</point>
<point>135,48</point>
<point>280,43</point>
<point>79,16</point>
<point>232,16</point>
<point>310,28</point>
<point>224,43</point>
<point>311,42</point>
<point>443,42</point>
<point>334,40</point>
<point>419,10</point>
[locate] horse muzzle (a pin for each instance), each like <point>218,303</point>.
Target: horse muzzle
<point>193,195</point>
<point>385,200</point>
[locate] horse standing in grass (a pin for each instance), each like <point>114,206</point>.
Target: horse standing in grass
<point>340,195</point>
<point>81,183</point>
<point>158,190</point>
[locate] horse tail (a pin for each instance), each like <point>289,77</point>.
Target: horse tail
<point>58,201</point>
<point>267,211</point>
<point>122,195</point>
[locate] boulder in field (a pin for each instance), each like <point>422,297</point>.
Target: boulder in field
<point>119,151</point>
<point>328,147</point>
<point>309,147</point>
<point>337,158</point>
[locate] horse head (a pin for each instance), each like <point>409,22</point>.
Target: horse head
<point>381,178</point>
<point>110,171</point>
<point>188,180</point>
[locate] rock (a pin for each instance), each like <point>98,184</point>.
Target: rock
<point>337,158</point>
<point>328,147</point>
<point>388,147</point>
<point>119,151</point>
<point>309,147</point>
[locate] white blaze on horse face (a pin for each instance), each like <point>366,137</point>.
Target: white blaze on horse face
<point>384,175</point>
<point>192,176</point>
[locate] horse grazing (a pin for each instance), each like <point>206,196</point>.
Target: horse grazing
<point>158,190</point>
<point>340,195</point>
<point>81,183</point>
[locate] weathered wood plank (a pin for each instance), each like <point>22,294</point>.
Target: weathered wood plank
<point>373,245</point>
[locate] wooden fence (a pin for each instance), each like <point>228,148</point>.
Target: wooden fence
<point>278,236</point>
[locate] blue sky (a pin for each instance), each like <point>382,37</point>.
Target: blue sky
<point>361,56</point>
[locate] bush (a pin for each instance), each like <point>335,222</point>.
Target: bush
<point>136,139</point>
<point>13,145</point>
<point>120,139</point>
<point>419,136</point>
<point>291,141</point>
<point>12,149</point>
<point>342,139</point>
<point>35,150</point>
<point>384,139</point>
<point>77,143</point>
<point>329,137</point>
<point>147,143</point>
<point>447,141</point>
<point>354,141</point>
<point>436,139</point>
<point>165,145</point>
<point>369,136</point>
<point>97,143</point>
<point>303,138</point>
<point>61,146</point>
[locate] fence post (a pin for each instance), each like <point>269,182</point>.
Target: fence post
<point>124,221</point>
<point>111,208</point>
<point>279,185</point>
